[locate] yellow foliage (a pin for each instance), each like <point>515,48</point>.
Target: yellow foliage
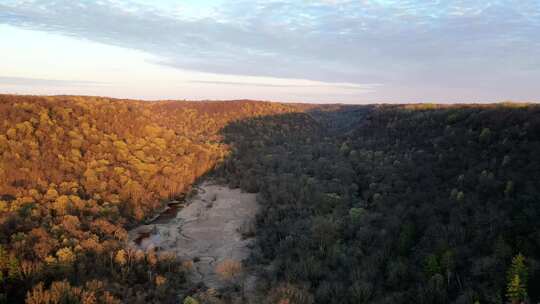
<point>60,204</point>
<point>65,255</point>
<point>120,145</point>
<point>50,259</point>
<point>76,153</point>
<point>12,133</point>
<point>76,143</point>
<point>4,206</point>
<point>152,130</point>
<point>113,160</point>
<point>119,170</point>
<point>160,280</point>
<point>121,257</point>
<point>51,194</point>
<point>26,200</point>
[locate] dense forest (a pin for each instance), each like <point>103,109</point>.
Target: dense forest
<point>75,172</point>
<point>395,204</point>
<point>360,204</point>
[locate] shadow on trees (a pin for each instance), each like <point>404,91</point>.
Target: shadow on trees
<point>392,204</point>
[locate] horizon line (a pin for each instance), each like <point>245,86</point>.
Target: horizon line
<point>283,102</point>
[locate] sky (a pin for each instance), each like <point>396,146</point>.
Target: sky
<point>321,51</point>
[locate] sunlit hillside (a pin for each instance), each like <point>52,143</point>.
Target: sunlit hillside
<point>75,172</point>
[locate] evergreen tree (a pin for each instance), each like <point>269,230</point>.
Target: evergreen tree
<point>516,291</point>
<point>518,268</point>
<point>517,280</point>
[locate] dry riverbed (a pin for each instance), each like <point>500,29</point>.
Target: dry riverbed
<point>207,231</point>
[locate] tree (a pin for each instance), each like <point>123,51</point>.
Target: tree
<point>516,290</point>
<point>121,257</point>
<point>65,256</point>
<point>519,268</point>
<point>485,135</point>
<point>14,270</point>
<point>190,300</point>
<point>431,265</point>
<point>517,279</point>
<point>356,214</point>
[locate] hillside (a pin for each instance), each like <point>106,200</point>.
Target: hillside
<point>77,171</point>
<point>359,204</point>
<point>395,204</point>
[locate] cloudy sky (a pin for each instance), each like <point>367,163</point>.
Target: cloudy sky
<point>351,51</point>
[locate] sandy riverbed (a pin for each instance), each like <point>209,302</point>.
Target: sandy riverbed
<point>206,231</point>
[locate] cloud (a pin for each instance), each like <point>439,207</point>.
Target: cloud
<point>457,44</point>
<point>24,81</point>
<point>306,85</point>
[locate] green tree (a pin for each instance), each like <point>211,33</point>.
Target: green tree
<point>516,291</point>
<point>356,214</point>
<point>14,271</point>
<point>485,135</point>
<point>517,279</point>
<point>448,264</point>
<point>190,300</point>
<point>519,268</point>
<point>431,265</point>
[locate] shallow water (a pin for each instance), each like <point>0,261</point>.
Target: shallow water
<point>169,213</point>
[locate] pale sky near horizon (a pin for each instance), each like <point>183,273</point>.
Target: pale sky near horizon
<point>284,50</point>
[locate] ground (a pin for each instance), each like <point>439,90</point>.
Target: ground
<point>208,231</point>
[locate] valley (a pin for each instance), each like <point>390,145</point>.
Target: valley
<point>269,152</point>
<point>124,201</point>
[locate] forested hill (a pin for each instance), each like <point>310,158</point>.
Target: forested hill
<point>75,172</point>
<point>405,204</point>
<point>359,204</point>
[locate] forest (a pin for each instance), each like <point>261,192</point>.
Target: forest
<point>76,172</point>
<point>359,204</point>
<point>395,204</point>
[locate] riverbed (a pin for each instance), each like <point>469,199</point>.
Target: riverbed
<point>215,225</point>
